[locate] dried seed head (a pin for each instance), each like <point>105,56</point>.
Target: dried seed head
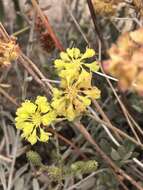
<point>9,51</point>
<point>106,7</point>
<point>34,158</point>
<point>44,37</point>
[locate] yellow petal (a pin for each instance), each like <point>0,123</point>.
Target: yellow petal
<point>19,124</point>
<point>27,128</point>
<point>76,53</point>
<point>64,56</point>
<point>43,105</point>
<point>59,64</point>
<point>79,106</point>
<point>84,80</point>
<point>49,118</point>
<point>56,92</point>
<point>70,52</point>
<point>26,108</point>
<point>89,53</point>
<point>22,117</point>
<point>40,99</point>
<point>44,136</point>
<point>94,66</point>
<point>69,76</point>
<point>70,113</point>
<point>59,105</point>
<point>94,93</point>
<point>86,101</point>
<point>33,138</point>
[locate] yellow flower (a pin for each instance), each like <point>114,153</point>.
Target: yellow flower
<point>31,117</point>
<point>9,51</point>
<point>73,59</point>
<point>74,96</point>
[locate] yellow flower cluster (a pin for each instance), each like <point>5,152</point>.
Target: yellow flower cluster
<point>69,100</point>
<point>9,51</point>
<point>126,61</point>
<point>72,61</point>
<point>31,117</point>
<point>76,91</point>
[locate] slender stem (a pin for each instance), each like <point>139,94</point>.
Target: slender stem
<point>105,118</point>
<point>106,76</point>
<point>4,93</point>
<point>87,178</point>
<point>21,31</point>
<point>138,162</point>
<point>76,22</point>
<point>97,29</point>
<point>110,135</point>
<point>68,142</point>
<point>114,129</point>
<point>5,159</point>
<point>13,162</point>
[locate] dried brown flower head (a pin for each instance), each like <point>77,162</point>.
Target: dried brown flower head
<point>106,7</point>
<point>9,51</point>
<point>126,61</point>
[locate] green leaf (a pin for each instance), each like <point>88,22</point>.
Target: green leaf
<point>129,146</point>
<point>122,151</point>
<point>127,156</point>
<point>115,155</point>
<point>105,145</point>
<point>125,151</point>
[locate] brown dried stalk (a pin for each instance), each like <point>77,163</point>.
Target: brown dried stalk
<point>6,95</point>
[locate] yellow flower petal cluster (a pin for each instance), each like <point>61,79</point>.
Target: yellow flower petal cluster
<point>72,99</point>
<point>31,117</point>
<point>72,61</point>
<point>76,91</point>
<point>9,51</point>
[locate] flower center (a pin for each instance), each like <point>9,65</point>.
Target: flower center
<point>77,62</point>
<point>36,118</point>
<point>72,92</point>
